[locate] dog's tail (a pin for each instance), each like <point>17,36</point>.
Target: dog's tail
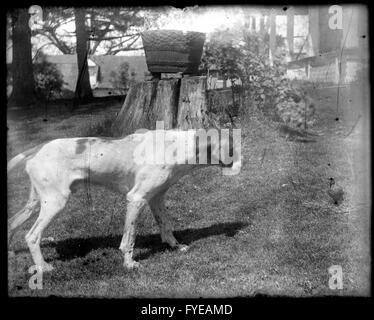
<point>23,157</point>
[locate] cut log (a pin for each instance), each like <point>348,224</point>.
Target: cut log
<point>192,106</point>
<point>146,103</point>
<point>165,105</point>
<point>134,111</point>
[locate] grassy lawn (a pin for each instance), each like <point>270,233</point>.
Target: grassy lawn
<point>272,229</point>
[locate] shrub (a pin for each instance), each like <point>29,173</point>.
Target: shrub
<point>222,53</point>
<point>121,80</point>
<point>295,108</point>
<point>269,90</point>
<point>221,107</point>
<point>265,87</point>
<point>48,80</point>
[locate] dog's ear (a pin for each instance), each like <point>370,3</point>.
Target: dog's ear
<point>141,130</point>
<point>232,144</point>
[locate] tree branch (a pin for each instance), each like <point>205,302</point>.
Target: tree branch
<point>39,49</point>
<point>114,52</point>
<point>127,47</point>
<point>118,37</point>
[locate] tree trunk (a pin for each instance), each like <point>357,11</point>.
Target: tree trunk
<point>83,88</point>
<point>23,93</point>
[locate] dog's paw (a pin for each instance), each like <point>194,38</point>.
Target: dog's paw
<point>46,267</point>
<point>183,247</point>
<point>132,265</point>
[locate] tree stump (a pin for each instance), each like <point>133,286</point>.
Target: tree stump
<point>178,103</point>
<point>135,109</point>
<point>192,106</point>
<point>165,105</point>
<point>146,103</point>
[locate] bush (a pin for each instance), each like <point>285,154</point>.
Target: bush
<point>121,80</point>
<point>223,56</point>
<point>265,87</point>
<point>48,80</point>
<point>295,108</point>
<point>269,90</point>
<point>221,106</point>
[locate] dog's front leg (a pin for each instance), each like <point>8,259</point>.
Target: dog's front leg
<point>134,207</point>
<point>157,205</point>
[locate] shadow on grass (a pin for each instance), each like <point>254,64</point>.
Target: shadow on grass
<point>188,236</point>
<point>79,247</point>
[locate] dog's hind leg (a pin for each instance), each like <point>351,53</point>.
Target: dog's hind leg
<point>51,203</point>
<point>135,205</point>
<point>21,216</point>
<point>158,209</point>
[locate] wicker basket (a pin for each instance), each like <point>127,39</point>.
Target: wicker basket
<point>172,51</point>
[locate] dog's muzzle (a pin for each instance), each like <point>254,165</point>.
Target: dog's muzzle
<point>232,168</point>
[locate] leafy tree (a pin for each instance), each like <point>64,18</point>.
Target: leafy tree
<point>123,79</point>
<point>115,29</point>
<point>110,29</point>
<point>49,31</point>
<point>123,75</point>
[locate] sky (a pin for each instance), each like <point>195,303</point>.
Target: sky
<point>214,18</point>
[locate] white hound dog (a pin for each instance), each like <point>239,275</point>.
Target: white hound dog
<point>54,166</point>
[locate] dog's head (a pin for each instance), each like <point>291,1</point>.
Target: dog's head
<point>230,155</point>
<point>223,148</point>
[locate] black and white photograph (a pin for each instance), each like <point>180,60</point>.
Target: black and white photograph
<point>206,151</point>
